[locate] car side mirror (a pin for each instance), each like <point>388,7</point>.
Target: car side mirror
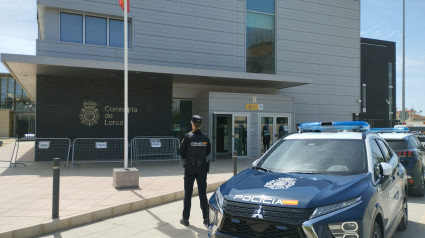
<point>386,169</point>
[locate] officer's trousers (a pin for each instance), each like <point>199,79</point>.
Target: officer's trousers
<point>190,174</point>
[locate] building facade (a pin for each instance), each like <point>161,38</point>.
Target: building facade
<point>241,64</point>
<point>378,82</point>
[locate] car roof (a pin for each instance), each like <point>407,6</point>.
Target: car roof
<point>394,136</point>
<point>325,135</point>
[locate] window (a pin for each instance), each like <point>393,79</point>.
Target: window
<point>95,30</point>
<point>266,6</point>
<point>414,142</point>
<point>71,28</point>
<point>260,36</point>
<point>398,145</point>
<point>377,158</point>
<point>12,96</point>
<point>116,33</point>
<point>387,153</point>
<point>325,156</point>
<point>182,114</point>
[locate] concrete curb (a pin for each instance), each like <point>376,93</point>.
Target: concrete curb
<point>53,225</point>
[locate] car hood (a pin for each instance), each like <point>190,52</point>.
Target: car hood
<point>292,190</point>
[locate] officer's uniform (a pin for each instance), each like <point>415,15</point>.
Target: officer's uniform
<point>194,150</point>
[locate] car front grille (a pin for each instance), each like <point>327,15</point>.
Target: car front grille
<point>280,215</point>
<point>253,228</point>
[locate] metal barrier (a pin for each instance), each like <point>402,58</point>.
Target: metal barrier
<point>26,142</point>
<point>161,148</point>
<point>98,150</point>
<point>48,148</point>
<point>45,148</point>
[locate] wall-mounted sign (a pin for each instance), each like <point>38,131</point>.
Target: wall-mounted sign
<point>43,145</point>
<point>254,107</point>
<point>101,145</point>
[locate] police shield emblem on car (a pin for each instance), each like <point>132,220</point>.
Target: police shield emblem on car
<point>281,183</point>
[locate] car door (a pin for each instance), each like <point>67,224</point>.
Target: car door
<point>420,148</point>
<point>396,190</point>
<point>383,183</point>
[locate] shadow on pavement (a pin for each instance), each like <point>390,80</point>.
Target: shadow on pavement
<point>146,169</point>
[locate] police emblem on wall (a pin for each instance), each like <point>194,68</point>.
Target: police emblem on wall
<point>89,114</point>
<point>281,183</point>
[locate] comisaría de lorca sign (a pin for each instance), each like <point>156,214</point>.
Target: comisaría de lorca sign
<point>89,114</point>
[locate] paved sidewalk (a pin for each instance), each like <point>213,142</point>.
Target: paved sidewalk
<point>86,192</point>
<point>157,222</point>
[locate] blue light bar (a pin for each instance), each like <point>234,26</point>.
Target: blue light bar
<point>390,130</point>
<point>336,125</point>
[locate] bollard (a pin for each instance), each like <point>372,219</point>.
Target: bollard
<point>235,165</point>
<point>56,176</point>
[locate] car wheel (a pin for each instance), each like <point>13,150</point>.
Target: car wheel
<point>403,222</point>
<point>376,233</point>
<point>420,191</point>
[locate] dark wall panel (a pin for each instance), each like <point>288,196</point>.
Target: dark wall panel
<point>93,108</point>
<point>375,58</point>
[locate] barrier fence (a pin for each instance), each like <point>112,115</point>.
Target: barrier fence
<point>98,150</point>
<point>45,149</point>
<point>154,149</point>
<point>24,144</point>
<point>48,148</point>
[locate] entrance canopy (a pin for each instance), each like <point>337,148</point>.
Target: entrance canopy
<point>25,69</point>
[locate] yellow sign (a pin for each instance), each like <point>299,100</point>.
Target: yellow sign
<point>252,107</point>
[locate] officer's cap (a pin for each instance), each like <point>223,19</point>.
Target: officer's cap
<point>197,120</point>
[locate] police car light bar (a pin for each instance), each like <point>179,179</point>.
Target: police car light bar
<point>336,125</point>
<point>390,130</point>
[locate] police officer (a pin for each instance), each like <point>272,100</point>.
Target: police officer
<point>194,150</point>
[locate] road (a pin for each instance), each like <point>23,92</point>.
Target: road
<point>163,221</point>
<point>416,224</point>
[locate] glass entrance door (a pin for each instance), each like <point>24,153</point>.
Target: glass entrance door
<point>240,135</point>
<point>273,127</point>
<point>230,133</point>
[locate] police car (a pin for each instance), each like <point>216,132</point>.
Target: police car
<point>411,153</point>
<point>332,179</point>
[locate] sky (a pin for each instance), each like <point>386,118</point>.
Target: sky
<point>380,19</point>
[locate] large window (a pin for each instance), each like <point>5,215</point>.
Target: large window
<point>95,30</point>
<point>260,36</point>
<point>71,28</point>
<point>13,96</point>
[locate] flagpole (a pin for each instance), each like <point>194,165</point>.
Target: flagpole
<point>125,87</point>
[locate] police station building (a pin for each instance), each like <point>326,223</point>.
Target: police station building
<point>240,64</point>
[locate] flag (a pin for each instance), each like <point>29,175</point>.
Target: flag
<point>122,4</point>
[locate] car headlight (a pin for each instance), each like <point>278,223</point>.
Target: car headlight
<point>334,207</point>
<point>220,199</point>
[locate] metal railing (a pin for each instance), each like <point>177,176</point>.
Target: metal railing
<point>48,148</point>
<point>45,148</point>
<point>154,149</point>
<point>97,150</point>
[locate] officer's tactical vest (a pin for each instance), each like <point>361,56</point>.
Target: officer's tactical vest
<point>197,149</point>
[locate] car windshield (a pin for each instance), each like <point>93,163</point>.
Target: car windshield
<point>397,145</point>
<point>324,156</point>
